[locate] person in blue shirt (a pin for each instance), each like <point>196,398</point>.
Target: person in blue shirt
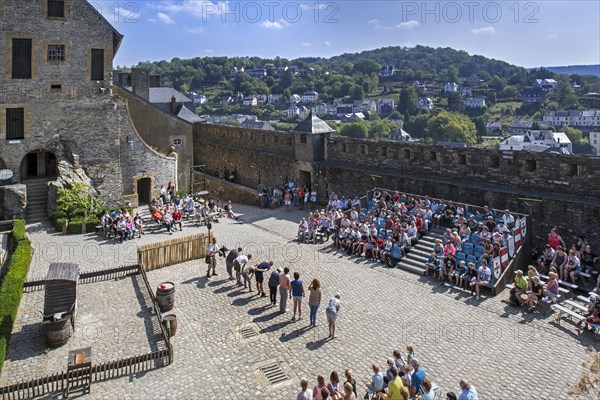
<point>297,293</point>
<point>468,391</point>
<point>416,384</point>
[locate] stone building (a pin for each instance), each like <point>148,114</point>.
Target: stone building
<point>59,120</point>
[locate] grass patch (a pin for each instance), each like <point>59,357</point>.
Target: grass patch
<point>12,287</point>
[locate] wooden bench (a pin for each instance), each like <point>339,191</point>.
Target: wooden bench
<point>572,314</point>
<point>585,277</point>
<point>578,306</point>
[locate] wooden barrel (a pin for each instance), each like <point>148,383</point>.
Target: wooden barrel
<point>58,332</point>
<point>165,295</point>
<point>171,322</point>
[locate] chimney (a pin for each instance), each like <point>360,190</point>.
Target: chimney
<point>140,82</point>
<point>154,80</point>
<point>173,105</point>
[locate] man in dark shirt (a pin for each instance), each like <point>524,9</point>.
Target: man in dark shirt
<point>229,261</point>
<point>258,274</point>
<point>449,213</point>
<point>491,225</point>
<point>588,258</point>
<point>273,283</point>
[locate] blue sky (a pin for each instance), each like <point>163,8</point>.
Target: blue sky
<point>524,33</point>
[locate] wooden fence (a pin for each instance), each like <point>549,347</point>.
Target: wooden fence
<point>175,251</point>
<point>59,382</point>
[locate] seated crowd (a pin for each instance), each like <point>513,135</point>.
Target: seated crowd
<point>167,211</point>
<point>403,379</point>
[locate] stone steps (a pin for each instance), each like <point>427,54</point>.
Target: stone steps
<point>37,200</point>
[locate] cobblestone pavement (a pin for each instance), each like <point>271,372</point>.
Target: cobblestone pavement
<point>113,317</point>
<point>505,354</point>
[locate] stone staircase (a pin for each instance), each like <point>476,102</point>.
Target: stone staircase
<point>37,199</point>
<point>417,256</point>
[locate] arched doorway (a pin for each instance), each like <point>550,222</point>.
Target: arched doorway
<point>144,190</point>
<point>39,164</point>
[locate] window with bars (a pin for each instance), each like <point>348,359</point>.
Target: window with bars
<point>15,123</point>
<point>97,65</point>
<point>56,52</point>
<point>21,59</point>
<point>56,8</point>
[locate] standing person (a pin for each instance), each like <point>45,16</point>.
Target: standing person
<point>301,198</point>
<point>287,199</point>
<point>258,273</point>
<point>332,310</point>
<point>247,272</point>
<point>238,265</point>
<point>350,379</point>
<point>416,385</point>
<point>305,393</point>
<point>273,283</point>
<point>297,293</point>
<point>314,300</point>
<point>284,289</point>
<point>468,391</point>
<point>233,254</point>
<point>212,260</point>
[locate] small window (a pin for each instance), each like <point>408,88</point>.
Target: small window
<point>432,156</point>
<point>177,142</point>
<point>56,52</point>
<point>289,141</point>
<point>345,147</point>
<point>406,154</point>
<point>56,8</point>
<point>302,138</point>
<point>573,169</point>
<point>276,138</point>
<point>530,165</point>
<point>97,65</point>
<point>363,149</point>
<point>495,162</point>
<point>384,152</point>
<point>462,159</point>
<point>21,59</point>
<point>264,138</point>
<point>15,123</point>
<point>56,87</point>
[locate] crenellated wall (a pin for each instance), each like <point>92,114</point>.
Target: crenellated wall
<point>567,185</point>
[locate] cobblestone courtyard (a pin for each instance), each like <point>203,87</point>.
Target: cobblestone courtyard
<point>505,354</point>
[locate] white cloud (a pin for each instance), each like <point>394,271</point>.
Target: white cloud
<point>198,8</point>
<point>412,24</point>
<point>379,25</point>
<point>552,36</point>
<point>272,24</point>
<point>209,51</point>
<point>196,30</point>
<point>327,43</point>
<point>164,19</point>
<point>485,30</point>
<point>305,44</point>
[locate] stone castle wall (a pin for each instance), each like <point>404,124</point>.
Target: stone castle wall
<point>567,185</point>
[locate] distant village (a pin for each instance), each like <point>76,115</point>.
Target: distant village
<point>529,134</point>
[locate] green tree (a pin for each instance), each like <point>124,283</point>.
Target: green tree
<point>357,129</point>
<point>565,94</point>
<point>417,126</point>
<point>456,102</point>
<point>357,93</point>
<point>574,135</point>
<point>408,102</point>
<point>76,201</point>
<point>453,127</point>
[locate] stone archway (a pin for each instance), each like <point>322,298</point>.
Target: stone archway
<point>143,188</point>
<point>39,164</point>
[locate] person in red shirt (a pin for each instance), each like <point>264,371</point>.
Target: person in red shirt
<point>177,218</point>
<point>301,198</point>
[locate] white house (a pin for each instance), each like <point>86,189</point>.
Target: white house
<point>450,87</point>
<point>251,101</point>
<point>295,99</point>
<point>310,96</point>
<point>420,86</point>
<point>475,102</point>
<point>595,142</point>
<point>557,140</point>
<point>257,73</point>
<point>321,108</point>
<point>545,84</point>
<point>466,92</point>
<point>387,71</point>
<point>425,102</point>
<point>297,110</point>
<point>366,106</point>
<point>273,98</point>
<point>590,118</point>
<point>493,128</point>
